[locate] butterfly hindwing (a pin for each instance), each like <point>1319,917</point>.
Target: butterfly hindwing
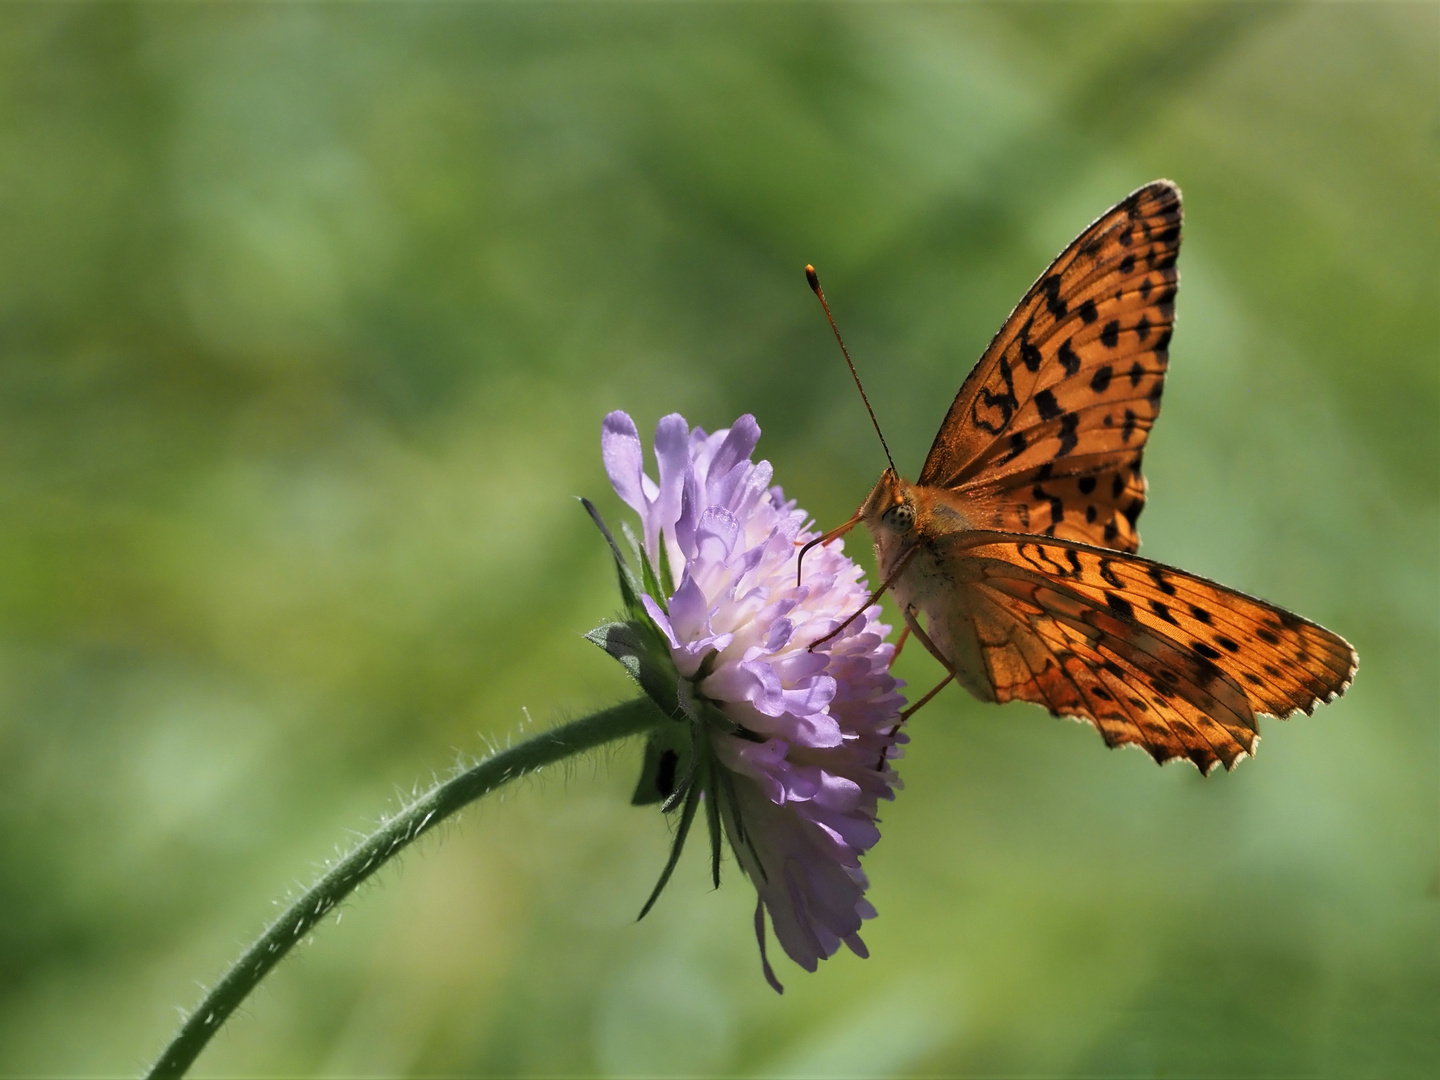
<point>1061,403</point>
<point>1149,654</point>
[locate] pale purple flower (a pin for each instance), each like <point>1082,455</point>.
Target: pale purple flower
<point>818,730</point>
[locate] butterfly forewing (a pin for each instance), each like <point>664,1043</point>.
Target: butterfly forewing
<point>1046,434</point>
<point>1149,654</point>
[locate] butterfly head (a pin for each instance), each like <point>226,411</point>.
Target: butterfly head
<point>901,515</point>
<point>890,513</point>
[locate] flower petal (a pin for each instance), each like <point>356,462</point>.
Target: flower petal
<point>624,460</point>
<point>672,437</point>
<point>689,611</point>
<point>739,443</point>
<point>715,535</point>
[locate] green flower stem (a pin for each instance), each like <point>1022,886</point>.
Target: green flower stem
<point>444,799</point>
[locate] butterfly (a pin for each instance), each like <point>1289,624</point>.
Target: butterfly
<point>1017,544</point>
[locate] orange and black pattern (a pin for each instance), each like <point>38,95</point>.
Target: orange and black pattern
<point>1047,432</point>
<point>1149,654</point>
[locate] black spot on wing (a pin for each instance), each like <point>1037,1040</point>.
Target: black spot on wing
<point>1110,336</point>
<point>1088,312</point>
<point>1069,437</point>
<point>1057,505</point>
<point>1067,357</point>
<point>1120,605</point>
<point>1017,447</point>
<point>1205,650</point>
<point>1005,401</point>
<point>1030,356</point>
<point>1100,381</point>
<point>1053,303</point>
<point>1087,485</point>
<point>1161,581</point>
<point>1045,402</point>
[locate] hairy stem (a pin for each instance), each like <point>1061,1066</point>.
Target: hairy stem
<point>380,847</point>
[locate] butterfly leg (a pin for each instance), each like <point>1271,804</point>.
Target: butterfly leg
<point>900,644</point>
<point>913,626</point>
<point>881,591</point>
<point>913,709</point>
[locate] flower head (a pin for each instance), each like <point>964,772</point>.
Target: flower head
<point>793,746</point>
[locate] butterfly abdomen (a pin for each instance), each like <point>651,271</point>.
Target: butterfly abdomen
<point>941,590</point>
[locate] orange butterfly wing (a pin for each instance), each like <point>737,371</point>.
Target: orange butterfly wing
<point>1149,654</point>
<point>1047,432</point>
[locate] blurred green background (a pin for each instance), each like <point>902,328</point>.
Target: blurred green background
<point>308,320</point>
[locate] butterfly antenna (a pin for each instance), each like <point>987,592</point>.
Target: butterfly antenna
<point>814,280</point>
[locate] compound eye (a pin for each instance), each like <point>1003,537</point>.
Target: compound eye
<point>900,517</point>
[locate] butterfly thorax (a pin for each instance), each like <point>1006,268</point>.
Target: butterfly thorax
<point>914,526</point>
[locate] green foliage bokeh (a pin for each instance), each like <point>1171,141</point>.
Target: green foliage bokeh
<point>308,319</point>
